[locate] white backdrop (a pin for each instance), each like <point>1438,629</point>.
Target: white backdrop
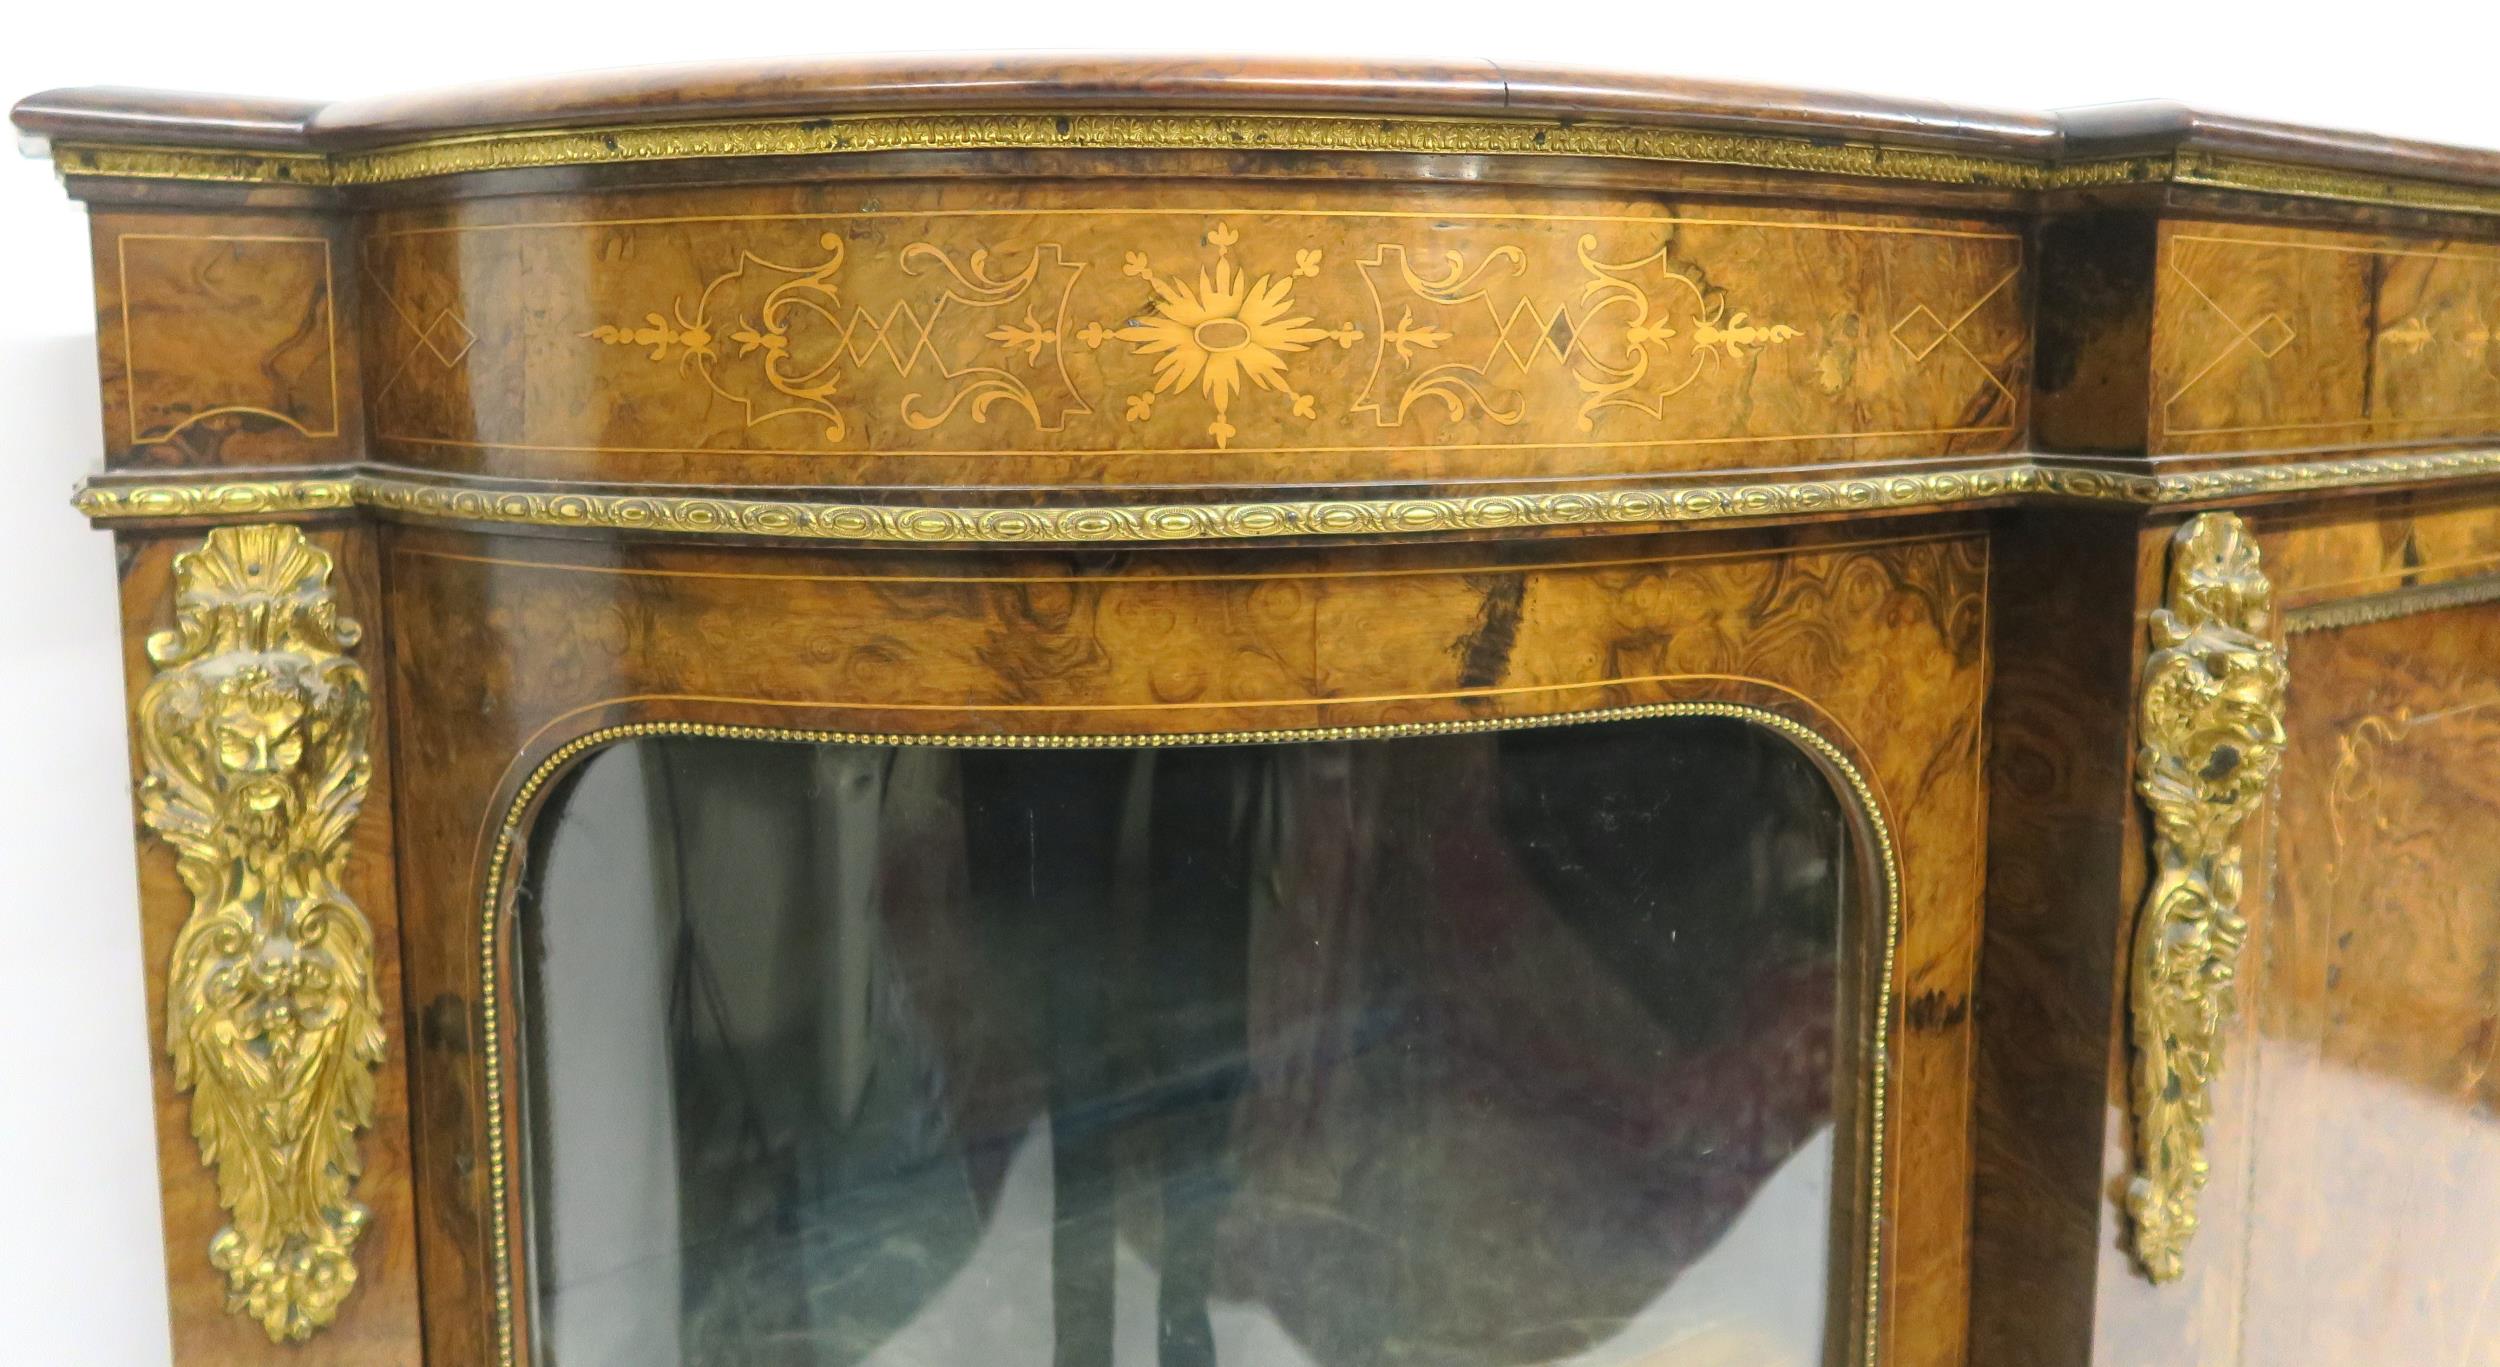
<point>81,1260</point>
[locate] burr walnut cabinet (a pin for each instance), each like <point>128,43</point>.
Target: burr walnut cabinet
<point>1154,713</point>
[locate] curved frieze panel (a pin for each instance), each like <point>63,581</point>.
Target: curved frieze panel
<point>1260,334</point>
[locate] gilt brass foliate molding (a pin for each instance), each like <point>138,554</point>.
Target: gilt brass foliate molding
<point>2210,731</point>
<point>192,163</point>
<point>527,149</point>
<point>2249,176</point>
<point>254,738</point>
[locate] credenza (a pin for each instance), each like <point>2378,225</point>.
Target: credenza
<point>1154,713</point>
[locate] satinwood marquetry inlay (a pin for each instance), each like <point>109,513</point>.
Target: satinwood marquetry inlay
<point>2290,338</point>
<point>1270,327</point>
<point>234,326</point>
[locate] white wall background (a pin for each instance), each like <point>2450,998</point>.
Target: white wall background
<point>80,1254</point>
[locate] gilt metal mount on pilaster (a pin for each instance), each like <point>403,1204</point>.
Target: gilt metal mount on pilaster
<point>254,735</point>
<point>2210,731</point>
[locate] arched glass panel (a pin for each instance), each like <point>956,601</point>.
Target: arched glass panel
<point>1468,1050</point>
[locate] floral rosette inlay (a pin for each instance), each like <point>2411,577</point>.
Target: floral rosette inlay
<point>1226,330</point>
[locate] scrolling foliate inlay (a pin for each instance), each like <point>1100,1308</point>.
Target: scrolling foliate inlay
<point>1150,331</point>
<point>1487,334</point>
<point>2210,728</point>
<point>254,738</point>
<point>803,336</point>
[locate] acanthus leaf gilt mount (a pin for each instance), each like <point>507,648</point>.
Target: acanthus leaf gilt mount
<point>2211,736</point>
<point>254,736</point>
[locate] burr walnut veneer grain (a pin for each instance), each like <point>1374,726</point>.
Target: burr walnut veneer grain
<point>1073,402</point>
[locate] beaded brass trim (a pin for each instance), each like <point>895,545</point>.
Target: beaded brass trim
<point>517,814</point>
<point>534,148</point>
<point>447,499</point>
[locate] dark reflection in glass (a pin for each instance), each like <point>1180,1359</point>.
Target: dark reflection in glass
<point>1458,1051</point>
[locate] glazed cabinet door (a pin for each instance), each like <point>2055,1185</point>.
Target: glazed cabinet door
<point>1426,955</point>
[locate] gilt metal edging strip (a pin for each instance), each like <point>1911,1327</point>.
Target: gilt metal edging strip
<point>2391,604</point>
<point>623,509</point>
<point>1081,130</point>
<point>2210,737</point>
<point>527,149</point>
<point>611,508</point>
<point>254,739</point>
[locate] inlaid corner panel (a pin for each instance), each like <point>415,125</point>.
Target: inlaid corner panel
<point>1124,332</point>
<point>224,339</point>
<point>2275,338</point>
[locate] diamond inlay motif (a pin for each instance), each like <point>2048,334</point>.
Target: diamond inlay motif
<point>2270,334</point>
<point>1921,331</point>
<point>2266,336</point>
<point>447,338</point>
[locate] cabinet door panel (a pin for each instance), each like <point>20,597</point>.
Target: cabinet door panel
<point>2373,1225</point>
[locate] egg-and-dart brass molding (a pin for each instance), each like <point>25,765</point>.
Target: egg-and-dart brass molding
<point>592,508</point>
<point>214,498</point>
<point>525,149</point>
<point>2392,604</point>
<point>1860,791</point>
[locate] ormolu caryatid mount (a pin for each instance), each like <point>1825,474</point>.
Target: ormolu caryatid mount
<point>1073,404</point>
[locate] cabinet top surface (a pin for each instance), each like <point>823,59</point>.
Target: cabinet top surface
<point>1479,90</point>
